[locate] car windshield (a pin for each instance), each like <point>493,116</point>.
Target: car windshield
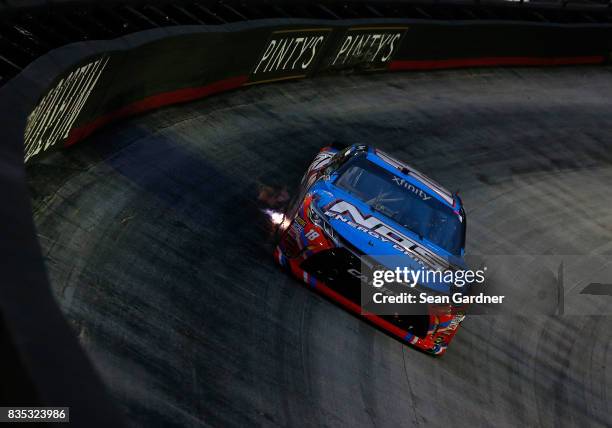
<point>403,202</point>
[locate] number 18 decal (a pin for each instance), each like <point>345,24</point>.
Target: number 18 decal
<point>312,235</point>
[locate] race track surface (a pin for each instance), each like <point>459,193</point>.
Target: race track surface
<point>160,255</point>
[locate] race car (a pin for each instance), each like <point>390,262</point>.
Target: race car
<point>356,202</point>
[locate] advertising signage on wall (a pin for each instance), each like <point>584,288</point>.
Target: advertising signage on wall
<point>370,48</point>
<point>53,117</point>
<point>290,54</point>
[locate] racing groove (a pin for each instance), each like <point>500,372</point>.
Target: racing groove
<point>161,258</point>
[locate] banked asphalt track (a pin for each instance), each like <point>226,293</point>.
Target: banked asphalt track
<point>160,256</point>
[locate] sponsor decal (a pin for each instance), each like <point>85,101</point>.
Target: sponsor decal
<point>54,116</point>
<point>347,213</point>
<point>289,54</point>
<point>297,228</point>
<point>409,186</point>
<point>372,48</point>
<point>455,322</point>
<point>434,186</point>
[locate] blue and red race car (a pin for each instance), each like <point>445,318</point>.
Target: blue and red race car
<point>360,201</point>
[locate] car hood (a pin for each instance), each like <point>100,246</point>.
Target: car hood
<point>350,219</point>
